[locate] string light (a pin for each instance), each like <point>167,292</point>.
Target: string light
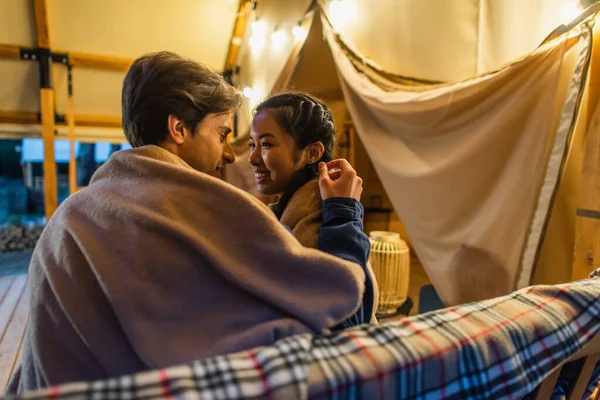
<point>259,28</point>
<point>247,92</point>
<point>570,11</point>
<point>299,32</point>
<point>253,94</point>
<point>257,43</point>
<point>340,13</point>
<point>257,96</point>
<point>278,39</point>
<point>257,40</point>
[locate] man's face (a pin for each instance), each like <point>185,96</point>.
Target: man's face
<point>209,150</point>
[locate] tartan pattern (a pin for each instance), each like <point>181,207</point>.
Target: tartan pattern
<point>501,348</point>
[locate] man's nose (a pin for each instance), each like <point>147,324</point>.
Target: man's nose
<point>228,154</point>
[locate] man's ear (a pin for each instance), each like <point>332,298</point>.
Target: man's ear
<point>177,130</point>
<point>314,152</point>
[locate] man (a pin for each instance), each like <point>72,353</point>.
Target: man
<point>157,262</point>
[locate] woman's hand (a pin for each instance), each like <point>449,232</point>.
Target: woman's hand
<point>341,182</point>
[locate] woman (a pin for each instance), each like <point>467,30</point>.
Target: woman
<point>291,134</point>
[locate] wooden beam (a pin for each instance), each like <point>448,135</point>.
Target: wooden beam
<point>10,51</point>
<point>76,59</point>
<point>86,60</point>
<point>50,183</point>
<point>238,34</point>
<point>88,120</point>
<point>41,23</point>
<point>18,117</point>
<point>100,121</point>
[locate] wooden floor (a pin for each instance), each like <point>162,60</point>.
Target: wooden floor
<point>14,313</point>
<point>418,279</point>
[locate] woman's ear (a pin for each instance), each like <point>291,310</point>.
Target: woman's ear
<point>314,152</point>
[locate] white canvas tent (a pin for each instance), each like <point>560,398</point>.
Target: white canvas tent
<point>422,91</point>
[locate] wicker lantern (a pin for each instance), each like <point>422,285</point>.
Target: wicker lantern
<point>390,259</point>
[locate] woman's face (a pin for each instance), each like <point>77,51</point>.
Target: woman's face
<point>273,155</point>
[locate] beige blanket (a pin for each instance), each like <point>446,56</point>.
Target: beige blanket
<point>303,214</point>
<point>155,264</point>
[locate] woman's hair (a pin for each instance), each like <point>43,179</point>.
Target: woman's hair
<point>308,120</point>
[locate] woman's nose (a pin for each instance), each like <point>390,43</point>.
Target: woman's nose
<point>254,156</point>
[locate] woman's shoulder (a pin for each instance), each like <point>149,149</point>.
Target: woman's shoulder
<point>306,200</point>
<point>303,213</point>
<point>307,197</point>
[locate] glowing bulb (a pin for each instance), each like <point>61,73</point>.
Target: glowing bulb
<point>340,12</point>
<point>259,28</point>
<point>299,33</point>
<point>257,40</point>
<point>253,94</point>
<point>570,11</point>
<point>247,92</point>
<point>257,95</point>
<point>335,6</point>
<point>278,39</point>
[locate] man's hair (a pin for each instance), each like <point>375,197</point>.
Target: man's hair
<point>164,83</point>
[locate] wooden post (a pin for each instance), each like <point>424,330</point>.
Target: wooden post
<point>71,125</point>
<point>41,23</point>
<point>47,107</point>
<point>587,234</point>
<point>587,231</point>
<point>238,34</point>
<point>50,184</point>
<point>351,141</point>
<point>545,390</point>
<point>584,377</point>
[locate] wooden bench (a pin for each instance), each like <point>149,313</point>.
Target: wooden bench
<point>591,353</point>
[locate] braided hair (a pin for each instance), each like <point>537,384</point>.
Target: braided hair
<point>308,120</point>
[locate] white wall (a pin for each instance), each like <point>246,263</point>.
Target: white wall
<point>259,69</point>
<point>448,39</point>
<point>199,29</point>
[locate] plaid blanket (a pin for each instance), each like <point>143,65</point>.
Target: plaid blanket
<point>500,348</point>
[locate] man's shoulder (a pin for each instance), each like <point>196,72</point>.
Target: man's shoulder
<point>78,202</point>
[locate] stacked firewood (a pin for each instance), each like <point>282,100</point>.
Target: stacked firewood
<point>18,237</point>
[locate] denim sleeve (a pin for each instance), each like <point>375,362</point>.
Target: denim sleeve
<point>342,235</point>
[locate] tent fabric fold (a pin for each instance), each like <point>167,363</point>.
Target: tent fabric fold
<point>472,167</point>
